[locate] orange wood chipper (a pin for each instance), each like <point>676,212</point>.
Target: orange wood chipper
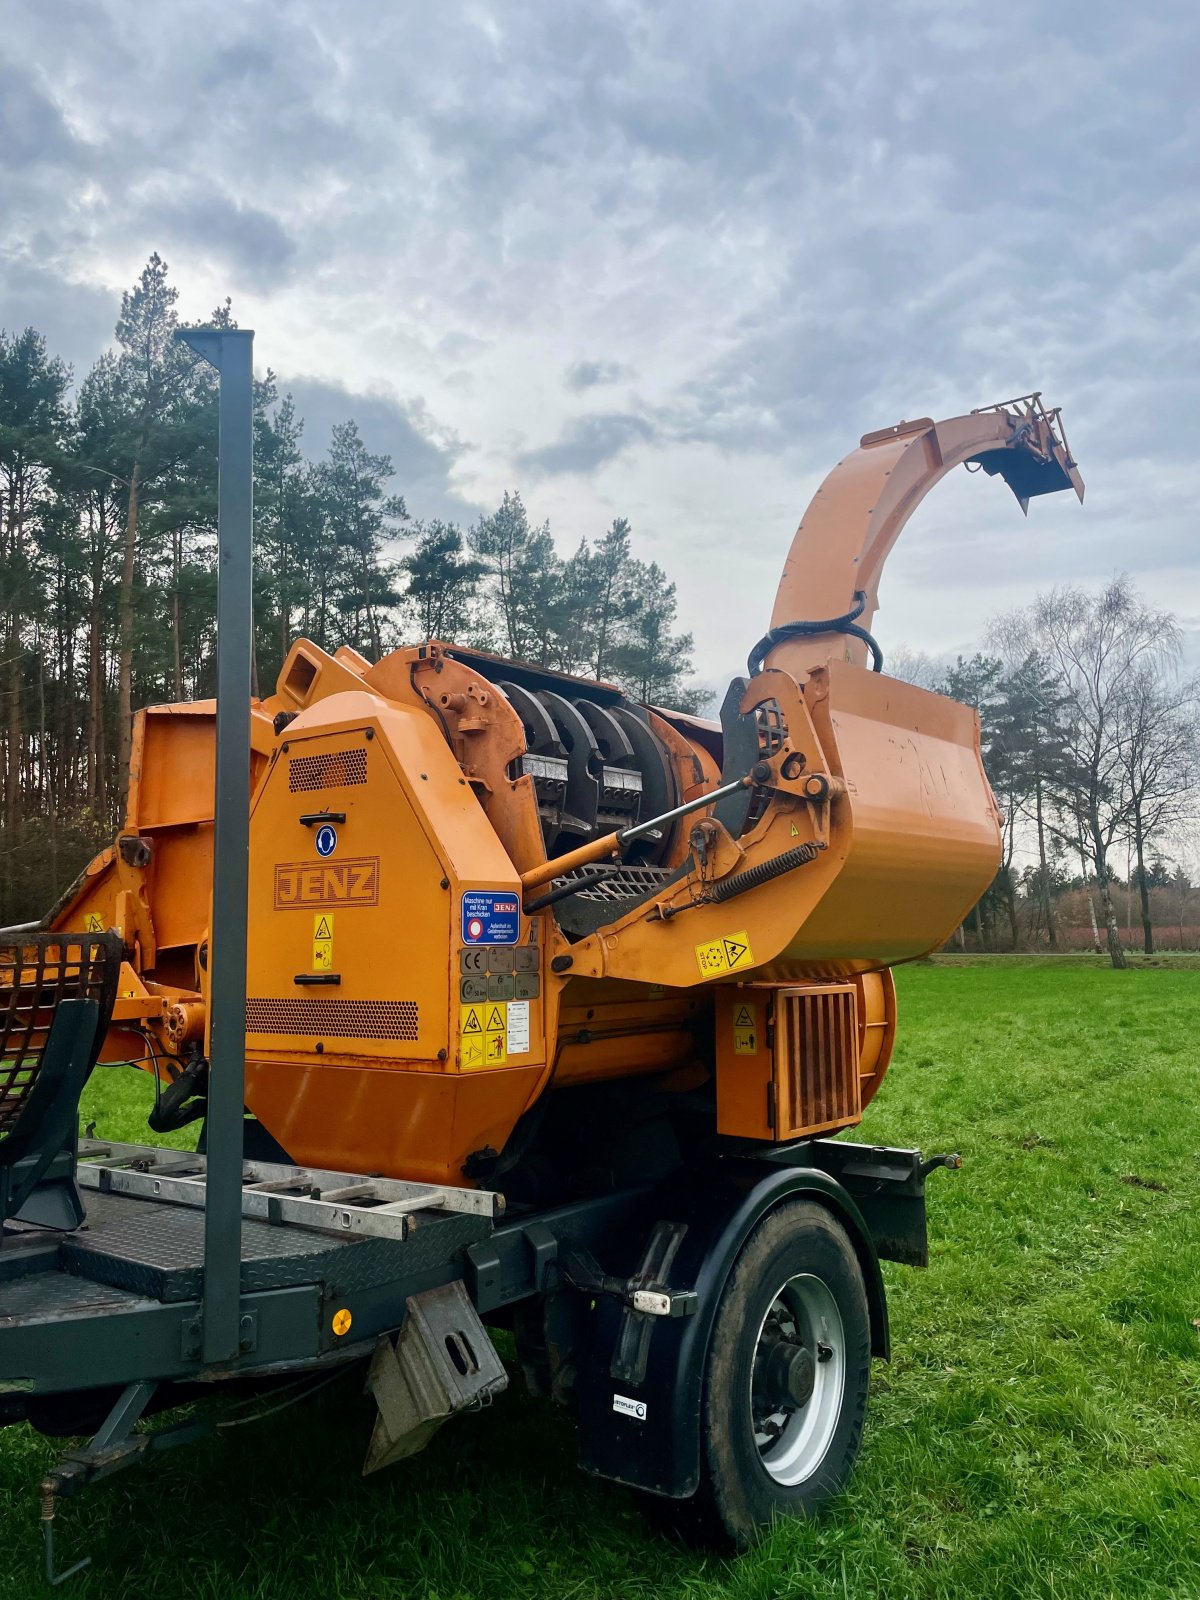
<point>510,932</point>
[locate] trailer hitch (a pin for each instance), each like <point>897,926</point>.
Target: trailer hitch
<point>113,1447</point>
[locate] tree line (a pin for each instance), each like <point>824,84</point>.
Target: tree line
<point>1091,742</point>
<point>108,581</point>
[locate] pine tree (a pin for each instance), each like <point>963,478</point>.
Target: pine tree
<point>33,422</point>
<point>650,660</point>
<point>359,515</point>
<point>526,574</point>
<point>158,384</point>
<point>614,596</point>
<point>282,515</point>
<point>443,583</point>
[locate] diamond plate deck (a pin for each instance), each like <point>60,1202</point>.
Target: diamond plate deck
<point>51,1296</point>
<point>157,1251</point>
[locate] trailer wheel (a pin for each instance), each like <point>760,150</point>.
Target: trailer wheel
<point>785,1389</point>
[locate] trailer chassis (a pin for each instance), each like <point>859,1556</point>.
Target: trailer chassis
<point>335,1265</point>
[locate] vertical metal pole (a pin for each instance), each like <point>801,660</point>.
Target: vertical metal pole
<point>231,351</point>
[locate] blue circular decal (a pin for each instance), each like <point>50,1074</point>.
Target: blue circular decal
<point>326,840</point>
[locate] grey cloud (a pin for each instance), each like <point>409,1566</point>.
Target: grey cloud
<point>388,426</point>
<point>587,443</point>
<point>77,319</point>
<point>33,129</point>
<point>201,220</point>
<point>581,375</point>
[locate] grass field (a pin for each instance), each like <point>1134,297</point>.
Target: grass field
<point>1036,1434</point>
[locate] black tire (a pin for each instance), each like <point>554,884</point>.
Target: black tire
<point>740,1495</point>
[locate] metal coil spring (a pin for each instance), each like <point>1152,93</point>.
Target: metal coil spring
<point>800,856</point>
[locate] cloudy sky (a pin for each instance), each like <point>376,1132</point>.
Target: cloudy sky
<point>665,260</point>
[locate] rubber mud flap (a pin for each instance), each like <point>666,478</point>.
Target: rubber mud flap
<point>648,1435</point>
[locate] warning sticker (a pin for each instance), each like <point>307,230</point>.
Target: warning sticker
<point>489,1032</point>
<point>322,952</point>
<point>518,1027</point>
<point>495,1049</point>
<point>728,954</point>
<point>745,1028</point>
<point>94,922</point>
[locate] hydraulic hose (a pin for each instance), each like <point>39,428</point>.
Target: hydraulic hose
<point>802,630</point>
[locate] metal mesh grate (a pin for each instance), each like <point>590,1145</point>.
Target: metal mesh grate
<point>822,1064</point>
<point>772,730</point>
<point>36,972</point>
<point>334,1019</point>
<point>626,883</point>
<point>336,769</point>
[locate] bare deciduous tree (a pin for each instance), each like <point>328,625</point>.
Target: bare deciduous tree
<point>1095,646</point>
<point>1159,745</point>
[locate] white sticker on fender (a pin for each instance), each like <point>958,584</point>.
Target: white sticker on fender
<point>630,1408</point>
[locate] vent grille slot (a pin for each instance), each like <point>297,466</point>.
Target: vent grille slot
<point>822,1058</point>
<point>334,1019</point>
<point>337,769</point>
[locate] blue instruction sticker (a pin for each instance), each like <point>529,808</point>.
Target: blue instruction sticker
<point>326,840</point>
<point>489,918</point>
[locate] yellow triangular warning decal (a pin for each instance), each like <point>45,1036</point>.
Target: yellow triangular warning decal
<point>495,1021</point>
<point>795,831</point>
<point>733,951</point>
<point>744,1019</point>
<point>323,930</point>
<point>471,1025</point>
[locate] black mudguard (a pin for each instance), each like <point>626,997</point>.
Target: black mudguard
<point>647,1433</point>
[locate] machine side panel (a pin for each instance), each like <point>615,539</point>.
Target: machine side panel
<point>342,910</point>
<point>369,859</point>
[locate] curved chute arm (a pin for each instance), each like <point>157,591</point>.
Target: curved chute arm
<point>857,514</point>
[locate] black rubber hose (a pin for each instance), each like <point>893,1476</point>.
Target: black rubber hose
<point>586,879</point>
<point>740,882</point>
<point>801,630</point>
<point>181,1102</point>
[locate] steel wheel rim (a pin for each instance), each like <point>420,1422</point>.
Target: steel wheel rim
<point>793,1439</point>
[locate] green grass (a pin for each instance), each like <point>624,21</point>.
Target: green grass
<point>1036,1434</point>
